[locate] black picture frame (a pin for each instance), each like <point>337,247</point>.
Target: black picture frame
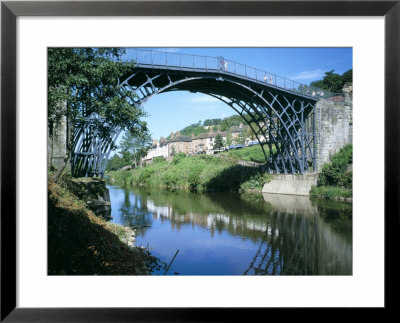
<point>10,10</point>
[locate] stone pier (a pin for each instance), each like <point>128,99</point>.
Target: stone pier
<point>291,184</point>
<point>334,126</point>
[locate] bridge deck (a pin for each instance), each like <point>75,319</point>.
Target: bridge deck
<point>208,64</point>
<point>230,74</point>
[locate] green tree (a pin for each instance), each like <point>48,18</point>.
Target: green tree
<point>241,139</point>
<point>228,139</point>
<point>212,122</point>
<point>135,145</point>
<point>347,77</point>
<point>195,128</point>
<point>86,80</point>
<point>226,124</point>
<point>219,142</point>
<point>331,82</point>
<point>117,162</point>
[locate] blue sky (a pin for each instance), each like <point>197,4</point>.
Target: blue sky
<point>170,112</point>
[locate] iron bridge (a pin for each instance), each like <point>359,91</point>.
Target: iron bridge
<point>279,111</point>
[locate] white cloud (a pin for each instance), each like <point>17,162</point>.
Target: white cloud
<point>309,75</point>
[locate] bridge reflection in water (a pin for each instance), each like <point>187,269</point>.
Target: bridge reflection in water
<point>289,235</point>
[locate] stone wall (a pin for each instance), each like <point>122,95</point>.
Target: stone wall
<point>334,124</point>
<point>58,142</point>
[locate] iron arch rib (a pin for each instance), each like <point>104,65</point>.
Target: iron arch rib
<point>287,141</point>
<point>280,120</point>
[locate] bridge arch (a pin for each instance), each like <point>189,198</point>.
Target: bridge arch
<point>283,121</point>
<point>277,117</point>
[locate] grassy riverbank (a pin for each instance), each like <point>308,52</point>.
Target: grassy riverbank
<point>200,173</point>
<point>81,243</point>
<point>336,179</point>
<point>252,153</point>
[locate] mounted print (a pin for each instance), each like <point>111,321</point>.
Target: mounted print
<point>200,161</point>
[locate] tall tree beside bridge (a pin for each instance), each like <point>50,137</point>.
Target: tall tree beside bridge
<point>135,145</point>
<point>334,82</point>
<point>86,80</point>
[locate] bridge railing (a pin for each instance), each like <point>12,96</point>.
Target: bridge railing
<point>171,60</point>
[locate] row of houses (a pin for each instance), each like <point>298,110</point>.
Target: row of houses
<point>201,144</point>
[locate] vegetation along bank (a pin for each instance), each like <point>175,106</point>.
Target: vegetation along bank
<point>336,178</point>
<point>207,173</point>
<point>197,173</point>
<point>82,243</point>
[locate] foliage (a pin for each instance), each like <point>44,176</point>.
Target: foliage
<point>252,153</point>
<point>159,159</point>
<point>335,180</point>
<point>195,128</point>
<point>233,120</point>
<point>256,182</point>
<point>195,173</point>
<point>347,77</point>
<point>116,162</point>
<point>211,122</point>
<point>333,82</point>
<point>178,158</point>
<point>330,192</point>
<point>81,243</point>
<point>219,142</point>
<point>335,173</point>
<point>217,125</point>
<point>229,139</point>
<point>146,174</point>
<point>136,144</point>
<point>86,80</point>
<point>241,138</point>
<point>225,125</point>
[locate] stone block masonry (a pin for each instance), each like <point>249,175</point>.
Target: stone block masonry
<point>334,125</point>
<point>59,143</point>
<point>334,129</point>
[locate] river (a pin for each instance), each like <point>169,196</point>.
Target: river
<point>236,234</point>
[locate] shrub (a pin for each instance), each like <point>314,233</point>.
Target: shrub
<point>178,158</point>
<point>346,180</point>
<point>256,181</point>
<point>330,192</point>
<point>116,162</point>
<point>194,177</point>
<point>335,173</point>
<point>254,154</point>
<point>159,160</point>
<point>170,179</point>
<point>195,173</point>
<point>145,175</point>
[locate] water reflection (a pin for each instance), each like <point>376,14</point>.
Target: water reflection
<point>293,204</point>
<point>228,233</point>
<point>133,211</point>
